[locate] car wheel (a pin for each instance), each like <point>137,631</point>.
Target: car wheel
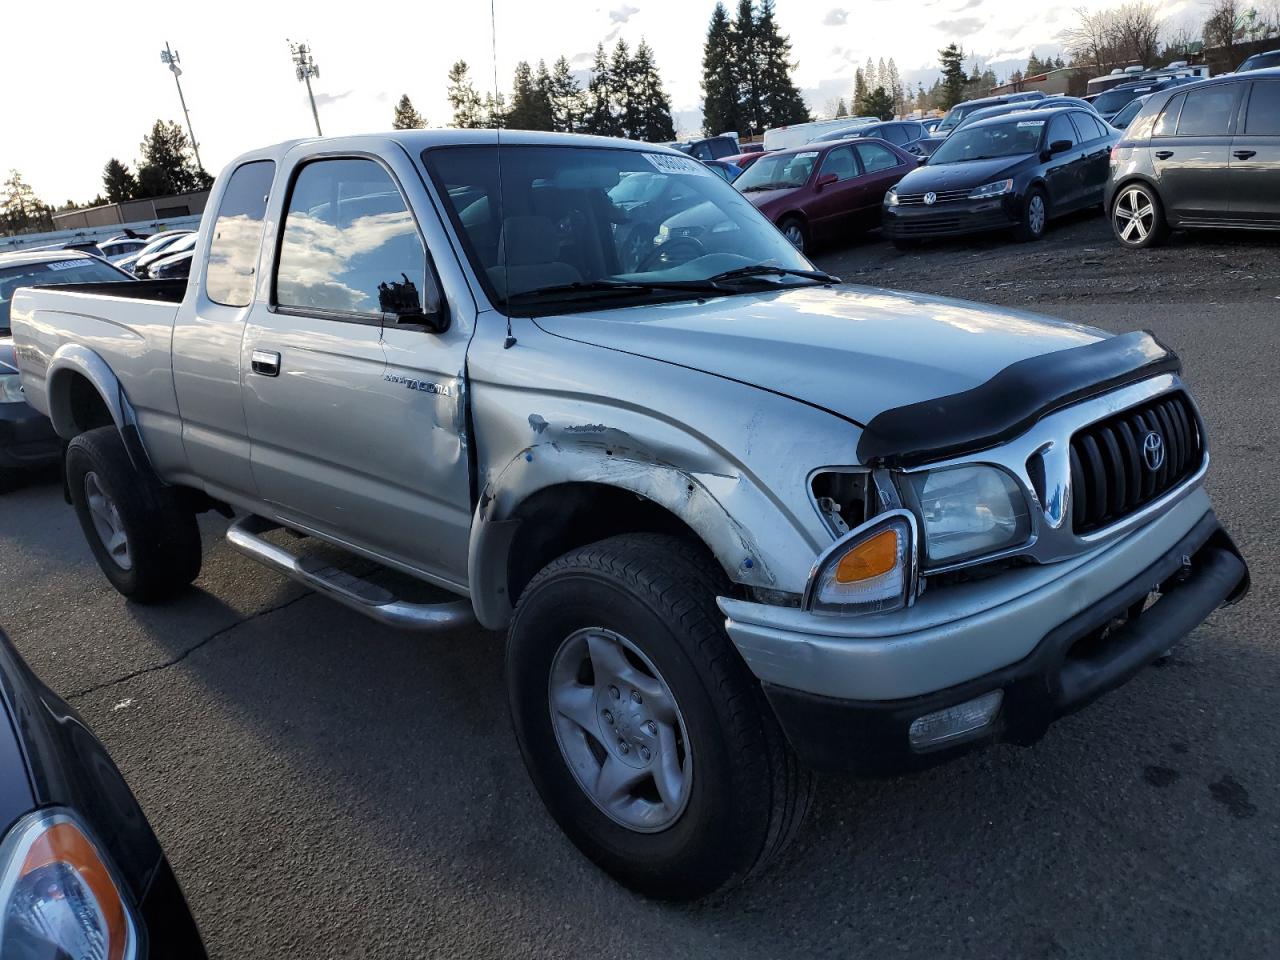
<point>794,230</point>
<point>144,538</point>
<point>648,739</point>
<point>1035,216</point>
<point>1137,217</point>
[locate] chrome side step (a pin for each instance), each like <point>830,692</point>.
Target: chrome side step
<point>370,599</point>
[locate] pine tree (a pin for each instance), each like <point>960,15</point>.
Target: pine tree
<point>745,64</point>
<point>625,82</point>
<point>897,89</point>
<point>1034,65</point>
<point>493,111</point>
<point>166,168</point>
<point>530,99</point>
<point>951,60</point>
<point>20,209</point>
<point>566,98</point>
<point>119,182</point>
<point>880,104</point>
<point>859,91</point>
<point>406,117</point>
<point>653,106</point>
<point>841,109</point>
<point>719,88</point>
<point>600,118</point>
<point>468,112</point>
<point>782,102</point>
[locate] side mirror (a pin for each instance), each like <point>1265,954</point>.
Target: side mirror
<point>826,180</point>
<point>401,304</point>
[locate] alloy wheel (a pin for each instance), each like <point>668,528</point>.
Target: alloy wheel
<point>620,730</point>
<point>1135,215</point>
<point>1035,215</point>
<point>795,235</point>
<point>107,523</point>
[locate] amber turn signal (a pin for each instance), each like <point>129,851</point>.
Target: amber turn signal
<point>876,556</point>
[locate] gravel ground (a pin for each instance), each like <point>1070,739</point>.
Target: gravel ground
<point>330,788</point>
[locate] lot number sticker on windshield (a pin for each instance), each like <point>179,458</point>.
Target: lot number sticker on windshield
<point>65,265</point>
<point>666,163</point>
<point>1031,123</point>
<point>807,155</point>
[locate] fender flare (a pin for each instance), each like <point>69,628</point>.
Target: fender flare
<point>544,465</point>
<point>74,358</point>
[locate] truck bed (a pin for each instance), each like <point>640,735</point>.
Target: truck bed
<point>165,291</point>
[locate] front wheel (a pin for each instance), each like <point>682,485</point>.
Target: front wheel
<point>645,734</point>
<point>1035,216</point>
<point>794,230</point>
<point>1137,218</point>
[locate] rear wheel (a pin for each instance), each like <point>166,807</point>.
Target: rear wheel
<point>794,230</point>
<point>1137,217</point>
<point>1035,216</point>
<point>143,536</point>
<point>645,734</point>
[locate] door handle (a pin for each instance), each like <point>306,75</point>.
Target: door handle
<point>1244,154</point>
<point>1163,154</point>
<point>266,363</point>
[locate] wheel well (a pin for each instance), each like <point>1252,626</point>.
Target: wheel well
<point>793,215</point>
<point>561,518</point>
<point>1130,181</point>
<point>85,405</point>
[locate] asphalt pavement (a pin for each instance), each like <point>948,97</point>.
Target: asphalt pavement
<point>327,787</point>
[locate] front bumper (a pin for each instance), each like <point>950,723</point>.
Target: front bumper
<point>950,219</point>
<point>1081,633</point>
<point>27,437</point>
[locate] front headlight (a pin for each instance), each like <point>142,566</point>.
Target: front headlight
<point>967,511</point>
<point>871,569</point>
<point>891,197</point>
<point>58,897</point>
<point>11,389</point>
<point>997,189</point>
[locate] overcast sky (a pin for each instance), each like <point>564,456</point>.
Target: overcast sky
<point>83,81</point>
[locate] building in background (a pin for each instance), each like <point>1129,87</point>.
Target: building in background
<point>133,211</point>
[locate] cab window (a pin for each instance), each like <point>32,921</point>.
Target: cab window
<point>237,234</point>
<point>350,245</point>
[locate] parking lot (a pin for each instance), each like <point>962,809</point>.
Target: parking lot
<point>327,787</point>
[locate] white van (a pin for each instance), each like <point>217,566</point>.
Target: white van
<point>798,134</point>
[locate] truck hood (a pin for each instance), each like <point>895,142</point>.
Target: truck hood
<point>854,351</point>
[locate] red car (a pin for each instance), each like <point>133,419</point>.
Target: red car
<point>825,191</point>
<point>744,160</point>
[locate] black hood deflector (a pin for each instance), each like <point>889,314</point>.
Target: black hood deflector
<point>1011,401</point>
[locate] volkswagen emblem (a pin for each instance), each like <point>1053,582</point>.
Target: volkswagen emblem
<point>1153,451</point>
<point>930,198</point>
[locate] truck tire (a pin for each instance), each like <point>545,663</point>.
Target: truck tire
<point>144,538</point>
<point>646,735</point>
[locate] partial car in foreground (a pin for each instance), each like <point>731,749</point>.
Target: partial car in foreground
<point>1014,172</point>
<point>825,191</point>
<point>1207,156</point>
<point>82,875</point>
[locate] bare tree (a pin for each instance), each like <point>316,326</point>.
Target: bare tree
<point>1222,29</point>
<point>1126,34</point>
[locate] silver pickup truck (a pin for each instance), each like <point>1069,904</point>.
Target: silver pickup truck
<point>738,520</point>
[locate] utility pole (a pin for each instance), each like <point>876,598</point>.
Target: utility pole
<point>170,59</point>
<point>306,68</point>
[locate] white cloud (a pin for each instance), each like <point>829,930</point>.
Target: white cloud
<point>623,13</point>
<point>835,17</point>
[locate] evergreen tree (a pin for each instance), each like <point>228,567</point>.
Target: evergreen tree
<point>468,112</point>
<point>746,68</point>
<point>625,83</point>
<point>841,109</point>
<point>859,91</point>
<point>406,117</point>
<point>566,98</point>
<point>719,86</point>
<point>166,167</point>
<point>781,99</point>
<point>1034,65</point>
<point>951,59</point>
<point>653,106</point>
<point>897,89</point>
<point>530,99</point>
<point>119,182</point>
<point>493,111</point>
<point>880,104</point>
<point>600,118</point>
<point>20,210</point>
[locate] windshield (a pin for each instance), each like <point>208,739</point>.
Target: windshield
<point>987,142</point>
<point>1125,116</point>
<point>778,172</point>
<point>1113,100</point>
<point>79,270</point>
<point>956,114</point>
<point>1261,60</point>
<point>551,224</point>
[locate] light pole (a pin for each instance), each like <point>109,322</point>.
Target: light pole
<point>306,68</point>
<point>170,59</point>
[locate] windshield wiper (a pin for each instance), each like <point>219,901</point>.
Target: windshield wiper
<point>766,186</point>
<point>613,286</point>
<point>766,270</point>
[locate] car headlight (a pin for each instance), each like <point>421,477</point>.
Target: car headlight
<point>891,197</point>
<point>997,189</point>
<point>11,389</point>
<point>968,511</point>
<point>58,896</point>
<point>871,569</point>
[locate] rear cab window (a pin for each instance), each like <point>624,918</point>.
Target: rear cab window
<point>237,234</point>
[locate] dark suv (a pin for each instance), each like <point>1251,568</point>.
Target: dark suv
<point>1206,155</point>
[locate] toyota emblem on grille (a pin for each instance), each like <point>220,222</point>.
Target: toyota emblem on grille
<point>1153,451</point>
<point>930,198</point>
